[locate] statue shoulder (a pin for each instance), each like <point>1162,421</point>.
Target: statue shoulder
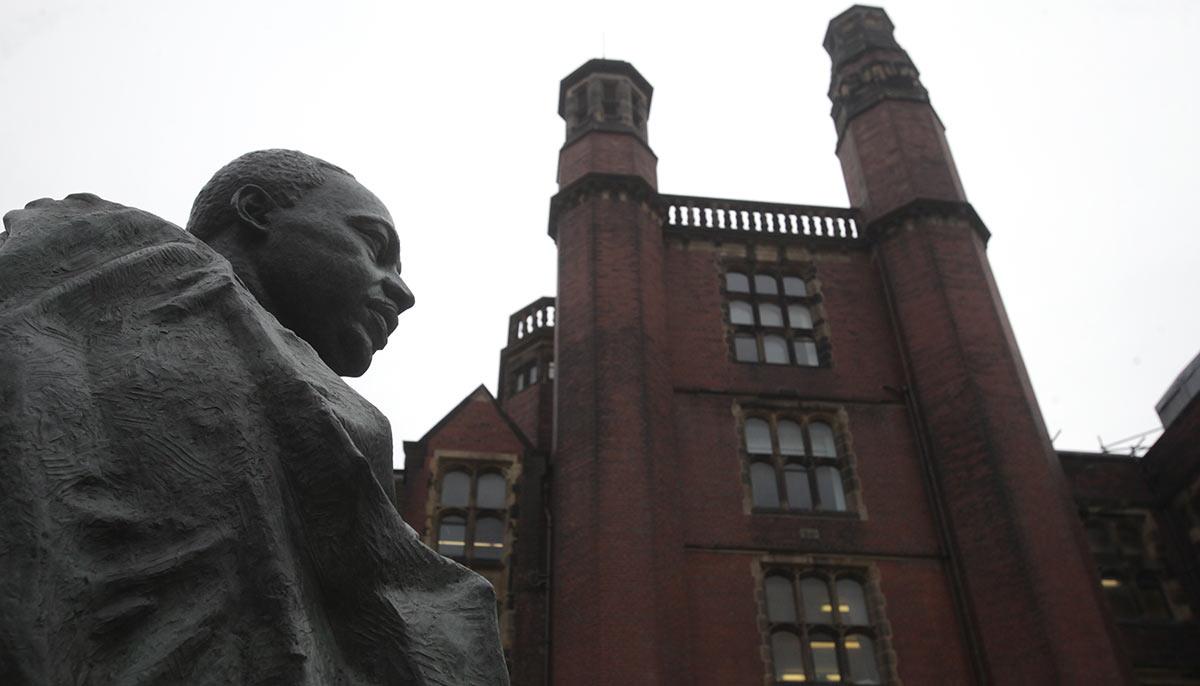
<point>52,241</point>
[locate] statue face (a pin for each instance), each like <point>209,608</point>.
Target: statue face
<point>330,268</point>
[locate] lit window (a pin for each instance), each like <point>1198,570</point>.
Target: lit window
<point>1131,573</point>
<point>770,324</point>
<point>472,514</point>
<point>833,642</point>
<point>793,464</point>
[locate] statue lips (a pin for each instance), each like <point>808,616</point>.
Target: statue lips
<point>382,317</point>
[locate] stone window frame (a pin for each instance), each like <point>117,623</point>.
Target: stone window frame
<point>475,468</point>
<point>1133,578</point>
<point>816,333</point>
<point>805,414</point>
<point>831,569</point>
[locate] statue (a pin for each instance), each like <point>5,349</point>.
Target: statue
<point>189,493</point>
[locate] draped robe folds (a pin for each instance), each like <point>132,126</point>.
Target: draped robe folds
<point>187,492</point>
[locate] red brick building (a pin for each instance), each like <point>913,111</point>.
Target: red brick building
<point>756,443</point>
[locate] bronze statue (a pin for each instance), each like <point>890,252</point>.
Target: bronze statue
<point>189,493</point>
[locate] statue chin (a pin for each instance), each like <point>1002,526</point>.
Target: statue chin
<point>352,356</point>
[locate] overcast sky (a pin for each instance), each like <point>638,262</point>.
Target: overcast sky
<point>1074,126</point>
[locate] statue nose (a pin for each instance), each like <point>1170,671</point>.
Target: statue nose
<point>398,292</point>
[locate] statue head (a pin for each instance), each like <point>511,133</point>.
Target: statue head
<point>315,248</point>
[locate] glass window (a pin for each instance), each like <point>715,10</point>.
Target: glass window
<point>737,283</point>
<point>491,491</point>
<point>799,493</point>
<point>740,312</point>
<point>775,350</point>
<point>764,491</point>
<point>758,437</point>
<point>785,653</point>
<point>824,652</point>
<point>794,286</point>
<point>799,317</point>
<point>456,487</point>
<point>489,538</point>
<point>765,285</point>
<point>791,438</point>
<point>817,609</point>
<point>829,489</point>
<point>806,354</point>
<point>746,348</point>
<point>1150,593</point>
<point>770,315</point>
<point>781,604</point>
<point>860,660</point>
<point>852,604</point>
<point>452,536</point>
<point>822,440</point>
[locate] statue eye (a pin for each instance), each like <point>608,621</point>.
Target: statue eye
<point>376,241</point>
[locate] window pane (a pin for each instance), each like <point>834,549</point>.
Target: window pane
<point>1120,599</point>
<point>785,653</point>
<point>740,312</point>
<point>763,490</point>
<point>791,439</point>
<point>781,604</point>
<point>746,348</point>
<point>1154,603</point>
<point>824,652</point>
<point>770,315</point>
<point>852,603</point>
<point>775,350</point>
<point>815,593</point>
<point>860,660</point>
<point>455,486</point>
<point>489,538</point>
<point>822,440</point>
<point>795,479</point>
<point>452,536</point>
<point>794,286</point>
<point>758,437</point>
<point>490,492</point>
<point>533,375</point>
<point>799,317</point>
<point>806,354</point>
<point>829,489</point>
<point>737,283</point>
<point>766,285</point>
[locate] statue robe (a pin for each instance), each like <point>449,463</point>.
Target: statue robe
<point>186,490</point>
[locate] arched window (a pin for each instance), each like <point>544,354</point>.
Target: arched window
<point>788,657</point>
<point>490,491</point>
<point>781,603</point>
<point>770,325</point>
<point>737,283</point>
<point>829,489</point>
<point>456,489</point>
<point>817,607</point>
<point>452,536</point>
<point>489,538</point>
<point>852,603</point>
<point>802,458</point>
<point>830,639</point>
<point>473,500</point>
<point>860,660</point>
<point>764,490</point>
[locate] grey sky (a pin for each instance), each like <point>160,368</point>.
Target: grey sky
<point>1073,125</point>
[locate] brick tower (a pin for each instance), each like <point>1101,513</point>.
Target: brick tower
<point>1030,599</point>
<point>615,537</point>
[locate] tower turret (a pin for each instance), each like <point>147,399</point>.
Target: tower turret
<point>1029,597</point>
<point>606,105</point>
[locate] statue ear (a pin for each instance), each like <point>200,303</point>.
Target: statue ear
<point>253,204</point>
